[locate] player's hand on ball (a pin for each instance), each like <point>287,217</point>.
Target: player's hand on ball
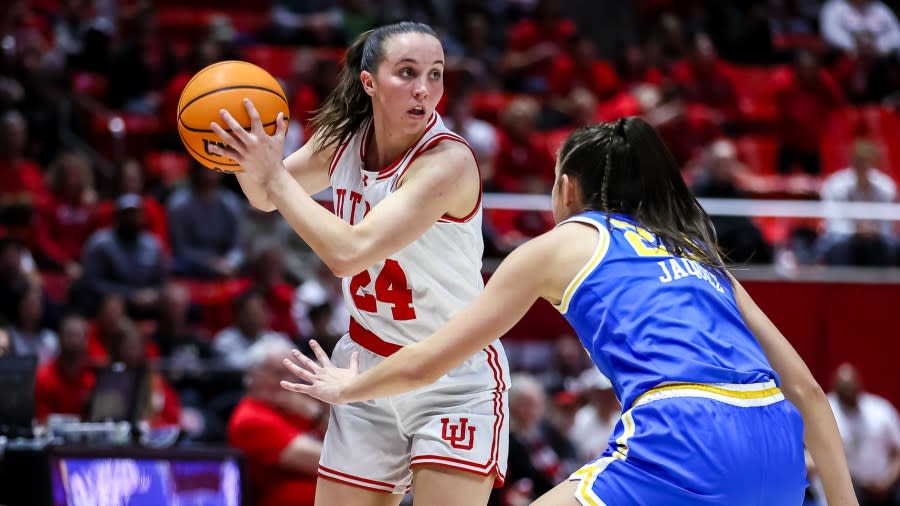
<point>259,153</point>
<point>322,379</point>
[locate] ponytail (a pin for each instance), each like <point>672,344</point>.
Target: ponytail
<point>348,106</point>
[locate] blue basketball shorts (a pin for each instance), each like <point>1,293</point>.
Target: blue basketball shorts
<point>698,444</point>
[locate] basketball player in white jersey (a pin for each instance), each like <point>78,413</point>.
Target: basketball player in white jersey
<point>407,242</point>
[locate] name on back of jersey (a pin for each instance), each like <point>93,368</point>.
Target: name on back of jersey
<point>674,269</point>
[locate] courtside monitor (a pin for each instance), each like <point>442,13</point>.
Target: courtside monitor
<point>17,395</point>
<point>118,394</point>
<point>142,477</point>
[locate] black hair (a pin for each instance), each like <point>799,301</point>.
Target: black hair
<point>624,167</point>
<point>348,106</point>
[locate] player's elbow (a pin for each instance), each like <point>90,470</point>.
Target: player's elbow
<point>342,266</point>
<point>349,260</point>
<point>805,392</point>
<point>263,205</point>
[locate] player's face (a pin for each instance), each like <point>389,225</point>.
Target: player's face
<point>409,82</point>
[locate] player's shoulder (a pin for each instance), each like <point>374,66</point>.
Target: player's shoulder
<point>448,158</point>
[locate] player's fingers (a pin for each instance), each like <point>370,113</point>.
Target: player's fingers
<point>300,388</point>
<point>226,151</point>
<point>320,353</point>
<point>306,362</point>
<point>298,371</point>
<point>281,126</point>
<point>255,123</point>
<point>354,361</point>
<point>223,134</point>
<point>237,131</point>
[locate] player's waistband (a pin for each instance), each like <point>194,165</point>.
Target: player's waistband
<point>368,340</point>
<point>746,395</point>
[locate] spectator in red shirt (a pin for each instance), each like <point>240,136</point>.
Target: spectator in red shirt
<point>268,279</point>
<point>101,332</point>
<point>584,70</point>
<point>523,163</point>
<point>317,76</point>
<point>280,433</point>
<point>70,215</point>
<point>534,44</point>
<point>706,79</point>
<point>64,384</point>
<point>22,178</point>
<point>805,95</point>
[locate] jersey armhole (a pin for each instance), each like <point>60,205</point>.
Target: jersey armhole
<point>434,141</point>
<point>598,255</point>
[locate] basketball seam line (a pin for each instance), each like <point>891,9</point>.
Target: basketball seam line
<point>189,129</point>
<point>227,88</point>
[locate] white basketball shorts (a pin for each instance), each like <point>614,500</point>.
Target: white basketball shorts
<point>459,422</point>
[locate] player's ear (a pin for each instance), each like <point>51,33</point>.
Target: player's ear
<point>368,82</point>
<point>570,190</point>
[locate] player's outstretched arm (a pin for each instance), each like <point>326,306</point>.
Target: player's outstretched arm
<point>820,430</point>
<point>450,183</point>
<point>523,276</point>
<point>307,167</point>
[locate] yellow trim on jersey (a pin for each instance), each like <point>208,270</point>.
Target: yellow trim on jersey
<point>599,253</point>
<point>756,394</point>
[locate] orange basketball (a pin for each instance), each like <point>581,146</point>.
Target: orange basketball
<point>224,85</point>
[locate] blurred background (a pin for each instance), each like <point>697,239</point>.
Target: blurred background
<point>147,291</point>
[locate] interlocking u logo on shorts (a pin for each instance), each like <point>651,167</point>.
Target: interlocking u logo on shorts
<point>456,435</point>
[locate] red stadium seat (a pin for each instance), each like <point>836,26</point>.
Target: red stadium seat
<point>277,60</point>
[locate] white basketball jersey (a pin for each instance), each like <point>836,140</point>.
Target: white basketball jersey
<point>411,294</point>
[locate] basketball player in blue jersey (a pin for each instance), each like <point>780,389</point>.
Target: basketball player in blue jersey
<point>717,405</point>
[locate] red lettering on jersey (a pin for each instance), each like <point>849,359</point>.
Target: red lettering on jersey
<point>456,435</point>
<point>368,208</point>
<point>339,207</point>
<point>365,179</point>
<point>356,198</point>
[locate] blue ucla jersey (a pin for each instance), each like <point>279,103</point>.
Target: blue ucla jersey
<point>648,318</point>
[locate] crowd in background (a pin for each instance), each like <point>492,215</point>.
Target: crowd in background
<point>114,247</point>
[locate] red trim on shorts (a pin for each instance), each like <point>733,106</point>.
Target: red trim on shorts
<point>368,340</point>
<point>499,479</point>
<point>392,168</point>
<point>337,156</point>
<point>345,478</point>
<point>497,370</point>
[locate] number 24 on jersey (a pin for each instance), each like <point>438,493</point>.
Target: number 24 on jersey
<point>391,288</point>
